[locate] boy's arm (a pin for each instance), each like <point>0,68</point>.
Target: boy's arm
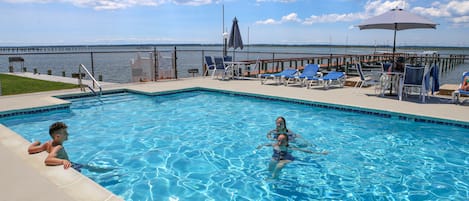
<point>36,147</point>
<point>53,160</point>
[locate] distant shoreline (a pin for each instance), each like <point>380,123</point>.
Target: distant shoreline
<point>246,45</point>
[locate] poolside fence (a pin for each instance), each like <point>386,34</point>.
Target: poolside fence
<point>153,64</point>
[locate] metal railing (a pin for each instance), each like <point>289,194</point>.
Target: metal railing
<point>95,83</point>
<point>171,62</point>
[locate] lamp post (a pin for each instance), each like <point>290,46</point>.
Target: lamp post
<point>225,40</point>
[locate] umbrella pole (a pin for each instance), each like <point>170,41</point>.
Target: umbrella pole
<point>394,45</point>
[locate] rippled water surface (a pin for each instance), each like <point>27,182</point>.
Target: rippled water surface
<point>202,146</point>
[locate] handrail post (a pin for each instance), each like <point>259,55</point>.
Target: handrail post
<point>91,76</point>
<point>92,67</point>
<point>175,63</point>
<point>79,79</point>
<point>155,60</point>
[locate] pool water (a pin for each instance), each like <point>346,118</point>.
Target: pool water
<point>201,145</point>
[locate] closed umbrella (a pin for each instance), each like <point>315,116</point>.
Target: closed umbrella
<point>397,19</point>
<point>235,41</point>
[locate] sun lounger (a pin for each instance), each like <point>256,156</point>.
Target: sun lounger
<point>457,93</point>
<point>277,76</point>
<point>366,80</point>
<point>210,65</point>
<point>219,68</point>
<point>332,78</point>
<point>310,71</point>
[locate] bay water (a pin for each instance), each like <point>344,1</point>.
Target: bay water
<point>113,62</point>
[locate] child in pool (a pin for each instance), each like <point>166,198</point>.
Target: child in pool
<point>57,154</point>
<point>282,154</point>
<point>281,127</point>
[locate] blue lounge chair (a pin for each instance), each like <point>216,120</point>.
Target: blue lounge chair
<point>457,93</point>
<point>310,71</point>
<point>219,68</point>
<point>277,76</point>
<point>210,64</point>
<point>331,78</point>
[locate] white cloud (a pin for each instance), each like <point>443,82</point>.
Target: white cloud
<point>455,11</point>
<point>377,7</point>
<point>372,8</point>
<point>267,21</point>
<point>333,18</point>
<point>459,7</point>
<point>192,2</point>
<point>281,1</point>
<point>116,4</point>
<point>462,20</point>
<point>292,17</point>
<point>28,1</point>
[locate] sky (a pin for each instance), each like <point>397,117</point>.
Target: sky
<point>90,22</point>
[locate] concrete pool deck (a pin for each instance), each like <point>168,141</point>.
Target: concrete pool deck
<point>25,177</point>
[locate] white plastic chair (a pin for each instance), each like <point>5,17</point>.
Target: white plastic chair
<point>366,80</point>
<point>414,78</point>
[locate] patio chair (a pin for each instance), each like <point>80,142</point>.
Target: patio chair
<point>277,76</point>
<point>309,72</point>
<point>371,79</point>
<point>366,80</point>
<point>227,58</point>
<point>219,68</point>
<point>414,78</point>
<point>457,94</point>
<point>332,78</point>
<point>210,65</point>
<point>257,66</point>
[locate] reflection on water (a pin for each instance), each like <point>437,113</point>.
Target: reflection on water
<point>200,146</point>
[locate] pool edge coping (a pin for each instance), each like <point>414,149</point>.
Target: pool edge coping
<point>259,95</point>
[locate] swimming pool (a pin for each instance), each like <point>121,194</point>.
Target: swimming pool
<point>200,145</point>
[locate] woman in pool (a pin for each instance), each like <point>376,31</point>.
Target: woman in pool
<point>281,127</point>
<point>282,154</point>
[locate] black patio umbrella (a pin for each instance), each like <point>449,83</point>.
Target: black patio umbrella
<point>235,41</point>
<point>397,20</point>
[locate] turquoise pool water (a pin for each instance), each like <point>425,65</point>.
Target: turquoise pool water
<point>200,145</point>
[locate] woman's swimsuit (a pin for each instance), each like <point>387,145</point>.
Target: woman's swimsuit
<point>282,155</point>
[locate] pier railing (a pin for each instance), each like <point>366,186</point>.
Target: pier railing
<point>179,62</point>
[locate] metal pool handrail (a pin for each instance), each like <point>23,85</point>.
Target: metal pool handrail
<point>81,66</point>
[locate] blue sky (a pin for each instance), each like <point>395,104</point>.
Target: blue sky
<point>78,22</point>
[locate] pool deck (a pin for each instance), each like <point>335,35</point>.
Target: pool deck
<point>25,177</point>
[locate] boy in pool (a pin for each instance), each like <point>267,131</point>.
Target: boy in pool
<point>57,154</point>
<point>282,154</point>
<point>281,127</point>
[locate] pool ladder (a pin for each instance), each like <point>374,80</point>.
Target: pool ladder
<point>95,83</point>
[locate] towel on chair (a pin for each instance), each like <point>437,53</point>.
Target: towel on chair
<point>434,73</point>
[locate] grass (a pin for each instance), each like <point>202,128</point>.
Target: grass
<point>11,85</point>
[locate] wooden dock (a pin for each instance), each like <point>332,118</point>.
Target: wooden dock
<point>345,62</point>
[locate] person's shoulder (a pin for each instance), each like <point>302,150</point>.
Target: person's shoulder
<point>56,147</point>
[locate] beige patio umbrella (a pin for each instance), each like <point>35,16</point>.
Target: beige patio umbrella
<point>397,20</point>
